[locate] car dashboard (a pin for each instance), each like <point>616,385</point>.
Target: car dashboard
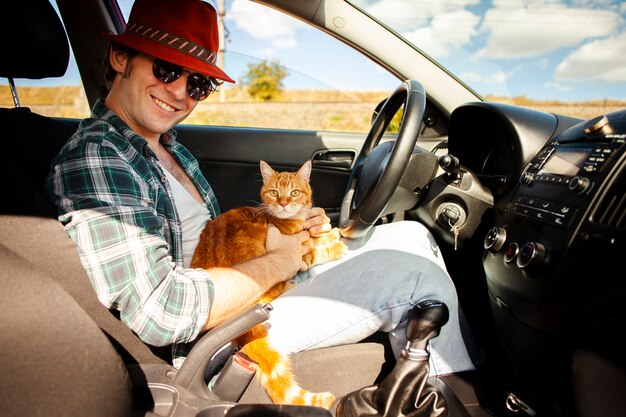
<point>495,141</point>
<point>552,256</point>
<point>492,143</point>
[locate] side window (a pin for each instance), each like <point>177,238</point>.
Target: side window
<point>288,75</point>
<point>53,97</point>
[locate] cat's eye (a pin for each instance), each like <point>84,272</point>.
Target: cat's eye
<point>274,193</point>
<point>295,193</point>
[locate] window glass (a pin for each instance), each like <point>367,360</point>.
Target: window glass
<point>288,75</point>
<point>564,57</point>
<point>54,97</point>
<point>316,88</point>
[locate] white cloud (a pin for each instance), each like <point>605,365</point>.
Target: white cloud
<point>267,53</point>
<point>495,78</point>
<point>496,82</point>
<point>538,27</point>
<point>561,88</point>
<point>276,29</point>
<point>446,33</point>
<point>408,15</point>
<point>600,61</point>
<point>500,77</point>
<point>469,76</point>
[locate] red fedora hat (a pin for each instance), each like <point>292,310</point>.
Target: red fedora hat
<point>183,32</point>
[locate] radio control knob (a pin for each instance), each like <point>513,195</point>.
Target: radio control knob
<point>531,256</point>
<point>511,252</point>
<point>579,185</point>
<point>496,236</point>
<point>526,178</point>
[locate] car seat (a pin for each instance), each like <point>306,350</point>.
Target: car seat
<point>55,360</point>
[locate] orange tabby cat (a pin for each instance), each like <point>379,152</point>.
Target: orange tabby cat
<point>239,235</point>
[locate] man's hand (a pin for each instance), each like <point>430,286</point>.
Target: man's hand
<point>317,222</point>
<point>240,286</point>
<point>291,248</point>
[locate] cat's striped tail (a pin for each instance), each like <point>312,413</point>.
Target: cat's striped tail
<point>275,374</point>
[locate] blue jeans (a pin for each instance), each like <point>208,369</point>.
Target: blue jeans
<point>372,288</point>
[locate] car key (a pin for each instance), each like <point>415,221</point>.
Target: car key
<point>455,232</point>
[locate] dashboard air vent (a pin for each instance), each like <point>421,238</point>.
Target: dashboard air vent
<point>611,210</point>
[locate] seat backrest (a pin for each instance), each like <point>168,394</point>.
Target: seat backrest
<point>44,244</point>
<point>29,142</point>
<point>54,359</point>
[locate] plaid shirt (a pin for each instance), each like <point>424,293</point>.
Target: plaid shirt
<point>116,204</point>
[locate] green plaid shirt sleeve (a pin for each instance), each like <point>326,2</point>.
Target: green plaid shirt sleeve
<point>117,208</point>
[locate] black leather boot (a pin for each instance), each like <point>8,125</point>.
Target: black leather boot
<point>405,391</point>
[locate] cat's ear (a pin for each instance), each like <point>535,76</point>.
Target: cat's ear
<point>305,171</point>
<point>266,170</point>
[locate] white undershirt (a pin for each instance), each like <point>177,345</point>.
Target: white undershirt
<point>193,216</point>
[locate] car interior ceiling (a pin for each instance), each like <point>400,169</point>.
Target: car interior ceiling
<point>60,330</point>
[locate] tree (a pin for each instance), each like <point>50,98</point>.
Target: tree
<point>264,80</point>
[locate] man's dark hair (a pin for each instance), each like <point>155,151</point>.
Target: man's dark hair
<point>110,73</point>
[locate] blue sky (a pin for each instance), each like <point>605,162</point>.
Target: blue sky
<point>543,49</point>
<point>567,50</point>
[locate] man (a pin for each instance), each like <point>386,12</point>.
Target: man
<point>134,201</point>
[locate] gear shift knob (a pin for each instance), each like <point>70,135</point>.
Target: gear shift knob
<point>425,322</point>
<point>405,392</point>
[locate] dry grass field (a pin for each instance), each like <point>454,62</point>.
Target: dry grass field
<point>327,110</point>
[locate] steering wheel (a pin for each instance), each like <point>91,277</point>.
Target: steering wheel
<point>379,167</point>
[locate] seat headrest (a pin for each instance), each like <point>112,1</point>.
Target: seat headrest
<point>34,42</point>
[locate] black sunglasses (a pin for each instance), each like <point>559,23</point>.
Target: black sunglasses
<point>198,86</point>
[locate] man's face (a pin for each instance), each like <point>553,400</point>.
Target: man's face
<point>149,106</point>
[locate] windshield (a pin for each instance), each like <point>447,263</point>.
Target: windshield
<point>520,51</point>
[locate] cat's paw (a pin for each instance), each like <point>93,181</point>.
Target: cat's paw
<point>322,254</point>
<point>338,249</point>
<point>334,234</point>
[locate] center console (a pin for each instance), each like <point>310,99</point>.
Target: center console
<point>553,264</point>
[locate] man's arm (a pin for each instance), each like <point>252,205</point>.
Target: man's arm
<point>241,286</point>
<point>107,205</point>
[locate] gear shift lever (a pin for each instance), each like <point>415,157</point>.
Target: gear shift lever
<point>426,321</point>
<point>405,392</point>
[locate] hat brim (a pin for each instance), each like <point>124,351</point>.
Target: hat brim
<point>165,53</point>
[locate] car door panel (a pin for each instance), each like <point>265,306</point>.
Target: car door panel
<point>229,158</point>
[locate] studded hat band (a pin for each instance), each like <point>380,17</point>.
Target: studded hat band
<point>173,41</point>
